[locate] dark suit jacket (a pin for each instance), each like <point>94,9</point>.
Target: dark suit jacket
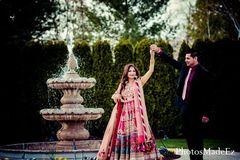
<point>198,97</point>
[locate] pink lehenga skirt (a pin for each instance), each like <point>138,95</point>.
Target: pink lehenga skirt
<point>126,146</point>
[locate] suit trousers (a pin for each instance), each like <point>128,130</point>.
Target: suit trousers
<point>192,130</point>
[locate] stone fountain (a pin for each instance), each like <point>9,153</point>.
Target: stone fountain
<point>73,137</point>
<point>72,114</point>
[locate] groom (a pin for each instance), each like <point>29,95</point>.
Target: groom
<point>192,91</point>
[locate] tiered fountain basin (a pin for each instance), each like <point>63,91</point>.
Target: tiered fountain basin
<point>72,114</point>
<point>71,80</point>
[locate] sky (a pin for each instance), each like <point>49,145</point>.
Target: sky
<point>176,15</point>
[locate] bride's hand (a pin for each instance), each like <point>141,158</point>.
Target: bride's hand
<point>152,53</point>
<point>116,97</point>
<point>154,47</point>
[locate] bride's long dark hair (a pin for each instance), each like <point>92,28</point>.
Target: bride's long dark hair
<point>124,78</point>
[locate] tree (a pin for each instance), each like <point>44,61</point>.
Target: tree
<point>134,15</point>
<point>123,54</point>
<point>82,51</point>
<point>164,94</point>
<point>102,71</point>
<point>21,19</point>
<point>231,9</point>
<point>184,47</point>
<point>215,19</point>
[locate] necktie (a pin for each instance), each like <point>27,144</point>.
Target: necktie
<point>185,84</point>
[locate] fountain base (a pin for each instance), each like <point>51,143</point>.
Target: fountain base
<point>82,144</point>
<point>85,149</point>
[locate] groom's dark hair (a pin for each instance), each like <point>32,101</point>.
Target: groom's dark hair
<point>193,53</point>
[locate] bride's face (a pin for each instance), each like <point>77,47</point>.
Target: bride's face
<point>131,73</point>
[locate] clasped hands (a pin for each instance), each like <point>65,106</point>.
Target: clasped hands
<point>205,119</point>
<point>156,49</point>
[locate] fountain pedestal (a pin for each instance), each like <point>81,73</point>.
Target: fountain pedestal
<point>70,131</point>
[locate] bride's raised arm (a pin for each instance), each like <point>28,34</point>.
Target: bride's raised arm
<point>148,74</point>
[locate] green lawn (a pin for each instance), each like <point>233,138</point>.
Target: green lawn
<point>208,143</point>
<point>172,143</point>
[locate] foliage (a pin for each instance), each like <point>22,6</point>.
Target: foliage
<point>82,51</point>
<point>51,64</point>
<point>20,19</point>
<point>134,14</point>
<point>123,54</point>
<point>183,49</point>
<point>103,73</point>
<point>164,95</point>
<point>36,62</point>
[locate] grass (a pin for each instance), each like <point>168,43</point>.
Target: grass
<point>208,143</point>
<point>172,143</point>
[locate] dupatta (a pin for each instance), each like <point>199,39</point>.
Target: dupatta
<point>145,139</point>
<point>110,134</point>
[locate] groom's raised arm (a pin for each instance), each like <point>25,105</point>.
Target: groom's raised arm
<point>159,51</point>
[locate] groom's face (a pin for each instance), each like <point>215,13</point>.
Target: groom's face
<point>190,61</point>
